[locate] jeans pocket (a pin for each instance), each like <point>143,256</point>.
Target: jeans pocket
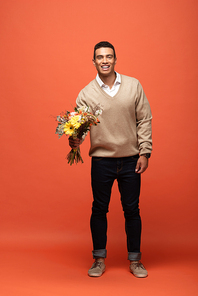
<point>135,157</point>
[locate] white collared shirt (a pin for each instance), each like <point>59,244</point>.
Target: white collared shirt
<point>113,91</point>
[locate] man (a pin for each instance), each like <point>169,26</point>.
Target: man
<point>120,147</point>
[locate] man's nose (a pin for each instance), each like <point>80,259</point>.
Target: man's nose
<point>104,60</point>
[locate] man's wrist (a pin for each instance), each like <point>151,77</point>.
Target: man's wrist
<point>147,155</point>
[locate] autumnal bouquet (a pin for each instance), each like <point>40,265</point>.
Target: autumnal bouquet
<point>76,124</point>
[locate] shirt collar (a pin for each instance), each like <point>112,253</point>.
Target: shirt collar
<point>101,83</point>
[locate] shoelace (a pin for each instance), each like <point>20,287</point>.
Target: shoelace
<point>138,264</point>
<point>97,264</point>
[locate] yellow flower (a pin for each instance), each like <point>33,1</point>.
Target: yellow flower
<point>69,128</point>
<point>75,121</point>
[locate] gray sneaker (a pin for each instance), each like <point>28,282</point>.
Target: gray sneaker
<point>97,269</point>
<point>138,269</point>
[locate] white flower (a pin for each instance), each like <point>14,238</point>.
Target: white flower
<point>73,114</point>
<point>98,112</point>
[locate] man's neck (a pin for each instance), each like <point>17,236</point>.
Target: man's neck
<point>108,80</point>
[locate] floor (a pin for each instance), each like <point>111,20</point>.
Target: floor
<point>58,270</point>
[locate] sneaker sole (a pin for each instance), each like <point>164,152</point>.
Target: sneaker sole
<point>139,275</point>
<point>95,274</point>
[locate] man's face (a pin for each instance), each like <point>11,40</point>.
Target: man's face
<point>104,61</point>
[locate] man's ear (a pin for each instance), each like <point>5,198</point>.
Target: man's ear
<point>94,62</point>
<point>115,60</point>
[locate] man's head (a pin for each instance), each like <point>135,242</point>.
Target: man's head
<point>104,59</point>
<point>103,44</point>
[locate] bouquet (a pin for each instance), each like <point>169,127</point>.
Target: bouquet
<point>77,124</point>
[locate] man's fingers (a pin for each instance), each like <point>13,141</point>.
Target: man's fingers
<point>137,167</point>
<point>142,165</point>
<point>74,143</point>
<point>141,170</point>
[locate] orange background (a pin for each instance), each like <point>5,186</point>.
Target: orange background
<point>46,50</point>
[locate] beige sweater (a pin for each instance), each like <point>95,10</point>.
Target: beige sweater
<point>125,123</point>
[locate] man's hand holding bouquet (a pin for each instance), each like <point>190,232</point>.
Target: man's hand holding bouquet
<point>76,124</point>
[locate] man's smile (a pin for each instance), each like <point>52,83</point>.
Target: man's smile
<point>105,67</point>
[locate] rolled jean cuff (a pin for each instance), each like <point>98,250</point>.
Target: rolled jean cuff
<point>134,256</point>
<point>102,253</point>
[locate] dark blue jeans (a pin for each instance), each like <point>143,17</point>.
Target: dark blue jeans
<point>103,173</point>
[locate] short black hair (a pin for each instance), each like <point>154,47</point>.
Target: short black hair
<point>103,44</point>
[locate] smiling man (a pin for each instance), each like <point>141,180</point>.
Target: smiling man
<point>120,148</point>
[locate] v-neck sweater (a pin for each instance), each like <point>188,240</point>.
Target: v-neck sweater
<point>125,123</point>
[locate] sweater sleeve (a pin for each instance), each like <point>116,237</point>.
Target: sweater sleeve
<point>143,122</point>
<point>81,100</point>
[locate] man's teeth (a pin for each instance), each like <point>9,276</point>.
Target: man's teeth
<point>105,67</point>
